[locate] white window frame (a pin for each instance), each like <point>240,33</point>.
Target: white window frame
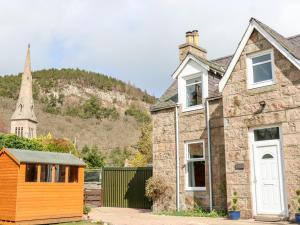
<point>186,144</point>
<point>251,83</point>
<point>186,108</point>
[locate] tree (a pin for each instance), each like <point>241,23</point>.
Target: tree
<point>143,155</point>
<point>139,160</point>
<point>118,156</point>
<point>93,157</point>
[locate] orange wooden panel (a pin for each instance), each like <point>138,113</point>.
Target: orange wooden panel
<point>49,200</point>
<point>8,187</point>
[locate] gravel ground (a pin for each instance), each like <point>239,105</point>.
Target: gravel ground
<point>124,216</point>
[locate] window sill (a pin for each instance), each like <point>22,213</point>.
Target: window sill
<point>192,108</point>
<point>195,189</point>
<point>260,85</point>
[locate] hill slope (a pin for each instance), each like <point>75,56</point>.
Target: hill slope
<point>88,108</point>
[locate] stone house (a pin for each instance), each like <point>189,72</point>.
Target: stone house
<point>232,125</point>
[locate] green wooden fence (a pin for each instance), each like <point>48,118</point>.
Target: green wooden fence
<point>125,187</point>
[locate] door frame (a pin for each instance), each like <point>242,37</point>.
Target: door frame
<point>283,193</point>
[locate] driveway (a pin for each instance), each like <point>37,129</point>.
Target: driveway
<point>124,216</point>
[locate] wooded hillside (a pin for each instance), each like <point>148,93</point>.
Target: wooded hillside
<point>86,107</point>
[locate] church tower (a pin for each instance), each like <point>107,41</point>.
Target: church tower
<point>23,121</point>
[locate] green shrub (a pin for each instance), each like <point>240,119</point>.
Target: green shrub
<point>140,115</point>
<point>13,141</point>
<point>298,199</point>
<point>155,188</point>
<point>234,202</point>
<point>42,143</point>
<point>197,212</point>
<point>86,209</point>
<point>92,109</point>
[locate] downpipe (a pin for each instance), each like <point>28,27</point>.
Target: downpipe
<point>177,156</point>
<point>209,153</point>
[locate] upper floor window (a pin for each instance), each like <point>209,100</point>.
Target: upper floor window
<point>193,91</point>
<point>261,71</point>
<point>195,166</point>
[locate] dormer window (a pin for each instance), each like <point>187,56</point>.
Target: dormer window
<point>260,69</point>
<point>193,91</point>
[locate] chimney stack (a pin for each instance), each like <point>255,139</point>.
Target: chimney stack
<point>191,46</point>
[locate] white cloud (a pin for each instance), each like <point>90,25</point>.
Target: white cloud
<point>132,40</point>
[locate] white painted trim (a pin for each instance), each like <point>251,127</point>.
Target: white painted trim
<point>250,83</point>
<point>186,143</point>
<point>182,90</point>
<point>254,25</point>
<point>252,168</point>
<point>192,108</point>
<point>184,62</point>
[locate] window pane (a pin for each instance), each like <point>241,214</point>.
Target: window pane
<point>60,173</point>
<point>195,150</point>
<point>196,174</point>
<point>261,58</point>
<point>31,173</point>
<point>192,81</point>
<point>266,134</point>
<point>262,72</point>
<point>46,173</point>
<point>194,94</point>
<point>73,174</point>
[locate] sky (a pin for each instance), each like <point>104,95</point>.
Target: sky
<point>133,40</point>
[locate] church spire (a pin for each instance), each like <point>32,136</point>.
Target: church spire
<point>24,113</point>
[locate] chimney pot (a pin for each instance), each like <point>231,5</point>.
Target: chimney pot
<point>189,37</point>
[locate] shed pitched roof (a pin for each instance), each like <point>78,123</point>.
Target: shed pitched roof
<point>28,156</point>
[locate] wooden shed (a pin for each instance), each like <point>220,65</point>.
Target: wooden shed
<point>40,187</point>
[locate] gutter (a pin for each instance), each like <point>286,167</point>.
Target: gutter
<point>177,156</point>
<point>208,152</point>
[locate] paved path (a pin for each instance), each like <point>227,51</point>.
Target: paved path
<point>121,216</point>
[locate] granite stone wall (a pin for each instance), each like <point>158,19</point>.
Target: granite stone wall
<point>192,126</point>
<point>242,112</point>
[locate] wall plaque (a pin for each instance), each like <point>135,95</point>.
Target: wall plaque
<point>239,166</point>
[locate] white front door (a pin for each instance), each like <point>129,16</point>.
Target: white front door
<point>268,177</point>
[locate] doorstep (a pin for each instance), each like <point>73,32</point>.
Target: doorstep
<point>269,218</point>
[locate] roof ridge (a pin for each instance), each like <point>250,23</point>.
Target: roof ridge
<point>223,57</point>
<point>30,150</point>
<point>293,36</point>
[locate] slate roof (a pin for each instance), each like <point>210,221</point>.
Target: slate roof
<point>168,99</point>
<point>28,156</point>
<point>223,61</point>
<point>212,65</point>
<point>291,44</point>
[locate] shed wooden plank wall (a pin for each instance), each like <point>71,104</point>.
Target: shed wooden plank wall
<point>8,187</point>
<point>49,200</point>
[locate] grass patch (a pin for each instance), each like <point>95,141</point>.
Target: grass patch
<point>198,212</point>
